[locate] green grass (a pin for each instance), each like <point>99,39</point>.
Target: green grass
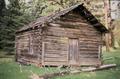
<point>11,70</point>
<point>109,58</point>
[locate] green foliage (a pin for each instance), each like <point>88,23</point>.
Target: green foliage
<point>11,70</point>
<point>10,20</point>
<point>33,7</point>
<point>19,12</point>
<point>116,32</point>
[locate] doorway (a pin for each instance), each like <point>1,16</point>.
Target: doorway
<point>73,51</point>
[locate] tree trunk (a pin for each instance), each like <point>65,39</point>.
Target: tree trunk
<point>112,40</point>
<point>107,24</point>
<point>107,42</point>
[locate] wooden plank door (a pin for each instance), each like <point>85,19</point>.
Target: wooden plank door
<point>73,51</point>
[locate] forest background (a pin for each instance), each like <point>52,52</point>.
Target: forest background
<point>14,14</point>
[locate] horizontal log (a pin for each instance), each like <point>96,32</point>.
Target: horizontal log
<point>60,43</point>
<point>55,63</point>
<point>92,63</point>
<point>87,47</point>
<point>83,37</point>
<point>107,66</point>
<point>56,47</point>
<point>29,55</point>
<point>89,43</point>
<point>89,39</point>
<point>72,20</point>
<point>88,56</point>
<point>88,50</point>
<point>55,52</point>
<point>76,21</point>
<point>55,55</point>
<point>89,61</point>
<point>54,39</point>
<point>55,31</point>
<point>55,60</point>
<point>71,23</point>
<point>28,60</point>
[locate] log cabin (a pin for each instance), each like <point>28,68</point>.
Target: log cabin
<point>72,36</point>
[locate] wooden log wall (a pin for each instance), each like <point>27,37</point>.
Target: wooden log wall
<point>29,46</point>
<point>52,46</point>
<point>55,51</point>
<point>74,26</point>
<point>22,43</point>
<point>37,44</point>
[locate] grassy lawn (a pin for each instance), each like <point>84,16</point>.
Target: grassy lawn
<point>111,57</point>
<point>11,70</point>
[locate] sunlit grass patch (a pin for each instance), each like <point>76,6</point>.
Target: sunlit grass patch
<point>9,69</point>
<point>109,58</point>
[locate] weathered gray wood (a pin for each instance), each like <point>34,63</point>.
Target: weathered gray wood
<point>73,51</point>
<point>60,52</point>
<point>43,53</point>
<point>56,63</point>
<point>99,68</point>
<point>89,61</point>
<point>55,59</point>
<point>50,44</point>
<point>56,55</point>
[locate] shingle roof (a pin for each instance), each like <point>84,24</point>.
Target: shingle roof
<point>82,11</point>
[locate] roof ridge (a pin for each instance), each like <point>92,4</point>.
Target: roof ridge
<point>83,12</point>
